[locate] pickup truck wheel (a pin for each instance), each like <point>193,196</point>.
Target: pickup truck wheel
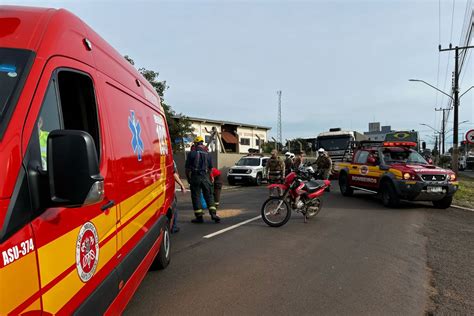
<point>258,179</point>
<point>346,190</point>
<point>389,195</point>
<point>444,203</point>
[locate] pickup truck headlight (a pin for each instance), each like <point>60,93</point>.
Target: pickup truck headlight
<point>408,176</point>
<point>452,177</point>
<point>249,171</point>
<point>230,170</point>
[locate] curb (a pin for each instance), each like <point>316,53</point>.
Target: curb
<point>463,208</point>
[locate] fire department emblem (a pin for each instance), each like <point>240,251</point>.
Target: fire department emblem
<point>364,170</point>
<point>87,251</point>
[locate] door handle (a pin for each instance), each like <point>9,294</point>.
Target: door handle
<point>107,205</point>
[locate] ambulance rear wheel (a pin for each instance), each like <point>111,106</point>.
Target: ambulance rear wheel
<point>346,190</point>
<point>162,259</point>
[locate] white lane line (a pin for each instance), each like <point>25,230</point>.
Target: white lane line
<point>463,208</point>
<point>232,227</point>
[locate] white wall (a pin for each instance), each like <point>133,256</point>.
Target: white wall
<point>251,134</point>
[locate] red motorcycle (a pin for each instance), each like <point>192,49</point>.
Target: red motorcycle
<point>295,193</point>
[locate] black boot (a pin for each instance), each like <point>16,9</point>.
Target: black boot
<point>198,220</point>
<point>215,218</point>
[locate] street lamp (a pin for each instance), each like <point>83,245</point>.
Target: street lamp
<point>456,101</point>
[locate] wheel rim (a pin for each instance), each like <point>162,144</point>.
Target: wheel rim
<point>273,214</point>
<point>259,180</point>
<point>166,243</point>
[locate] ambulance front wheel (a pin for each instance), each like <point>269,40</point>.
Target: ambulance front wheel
<point>162,259</point>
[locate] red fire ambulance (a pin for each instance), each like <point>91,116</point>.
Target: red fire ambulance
<point>86,169</point>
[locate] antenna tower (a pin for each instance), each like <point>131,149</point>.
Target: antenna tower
<point>279,134</point>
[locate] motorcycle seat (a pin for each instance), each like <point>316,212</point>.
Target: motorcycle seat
<point>315,185</point>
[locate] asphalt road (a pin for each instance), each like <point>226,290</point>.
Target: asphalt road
<point>356,257</point>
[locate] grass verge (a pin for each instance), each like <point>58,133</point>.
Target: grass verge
<point>465,195</point>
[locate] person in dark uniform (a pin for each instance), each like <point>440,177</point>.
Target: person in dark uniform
<point>217,185</point>
<point>198,168</point>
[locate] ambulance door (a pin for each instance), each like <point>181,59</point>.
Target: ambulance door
<point>142,172</point>
<point>76,245</point>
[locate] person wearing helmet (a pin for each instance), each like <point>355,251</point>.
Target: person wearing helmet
<point>198,169</point>
<point>324,163</point>
<point>288,162</point>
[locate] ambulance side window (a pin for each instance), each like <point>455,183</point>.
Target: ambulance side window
<point>48,120</point>
<point>78,105</point>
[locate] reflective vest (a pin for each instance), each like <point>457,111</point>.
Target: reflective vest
<point>43,139</point>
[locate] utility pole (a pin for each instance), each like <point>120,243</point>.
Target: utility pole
<point>443,129</point>
<point>279,133</point>
<point>455,157</point>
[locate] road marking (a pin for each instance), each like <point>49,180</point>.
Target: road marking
<point>463,208</point>
<point>232,227</point>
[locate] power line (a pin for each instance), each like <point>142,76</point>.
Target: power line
<point>439,53</point>
<point>449,53</point>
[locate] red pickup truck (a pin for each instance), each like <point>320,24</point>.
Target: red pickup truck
<point>396,172</point>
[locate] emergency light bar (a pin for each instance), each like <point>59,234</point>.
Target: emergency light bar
<point>399,144</point>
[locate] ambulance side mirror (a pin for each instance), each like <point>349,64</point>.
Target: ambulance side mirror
<point>73,169</point>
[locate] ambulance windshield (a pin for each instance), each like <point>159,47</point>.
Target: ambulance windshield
<point>14,66</point>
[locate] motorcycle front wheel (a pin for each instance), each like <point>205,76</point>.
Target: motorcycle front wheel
<point>275,212</point>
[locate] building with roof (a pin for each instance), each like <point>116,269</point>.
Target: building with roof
<point>376,132</point>
<point>232,137</point>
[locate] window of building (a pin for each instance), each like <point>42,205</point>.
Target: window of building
<point>257,142</point>
<point>245,141</point>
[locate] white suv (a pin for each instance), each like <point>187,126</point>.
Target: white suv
<point>249,169</point>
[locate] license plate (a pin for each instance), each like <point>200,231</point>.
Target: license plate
<point>238,178</point>
<point>435,189</point>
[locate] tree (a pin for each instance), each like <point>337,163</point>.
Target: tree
<point>178,124</point>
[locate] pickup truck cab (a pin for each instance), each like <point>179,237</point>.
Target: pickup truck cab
<point>396,172</point>
<point>249,169</point>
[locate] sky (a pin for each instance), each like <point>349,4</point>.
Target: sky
<point>338,63</point>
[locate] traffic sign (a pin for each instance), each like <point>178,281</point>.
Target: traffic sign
<point>470,136</point>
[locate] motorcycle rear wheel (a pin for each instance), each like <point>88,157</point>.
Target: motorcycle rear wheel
<point>273,214</point>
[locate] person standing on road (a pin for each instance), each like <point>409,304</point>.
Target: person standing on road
<point>177,179</point>
<point>324,163</point>
<point>288,162</point>
<point>217,185</point>
<point>198,168</point>
<point>275,168</point>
